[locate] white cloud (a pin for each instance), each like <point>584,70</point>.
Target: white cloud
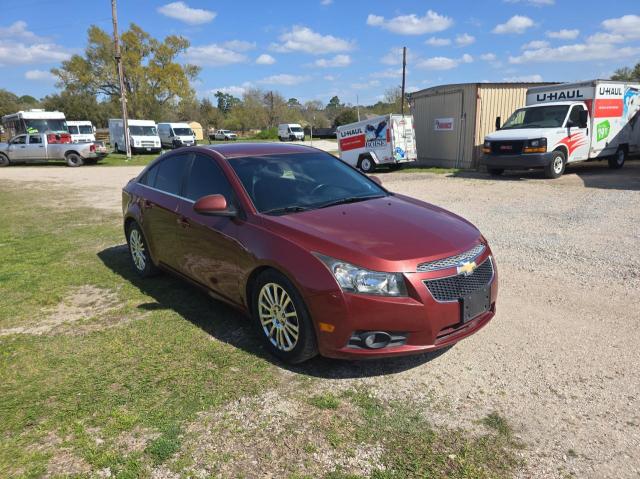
<point>181,11</point>
<point>18,30</point>
<point>438,42</point>
<point>365,85</point>
<point>524,78</point>
<point>337,61</point>
<point>265,59</point>
<point>283,79</point>
<point>394,57</point>
<point>464,40</point>
<point>535,3</point>
<point>627,26</point>
<point>235,90</point>
<point>532,45</point>
<point>214,55</point>
<point>443,63</point>
<point>388,73</point>
<point>326,2</point>
<point>604,37</point>
<point>239,45</point>
<point>39,75</point>
<point>564,34</point>
<point>576,53</point>
<point>22,54</point>
<point>303,39</point>
<point>516,24</point>
<point>412,24</point>
<point>330,77</point>
<point>466,58</point>
<point>488,57</point>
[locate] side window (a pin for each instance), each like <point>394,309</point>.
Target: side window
<point>149,178</point>
<point>33,139</point>
<point>19,140</point>
<point>575,114</point>
<point>206,178</point>
<point>170,174</point>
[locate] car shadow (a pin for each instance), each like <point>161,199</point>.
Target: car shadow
<point>231,326</point>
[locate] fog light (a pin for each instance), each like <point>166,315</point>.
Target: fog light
<point>376,340</point>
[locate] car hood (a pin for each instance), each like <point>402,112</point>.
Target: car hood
<point>519,134</point>
<point>393,233</point>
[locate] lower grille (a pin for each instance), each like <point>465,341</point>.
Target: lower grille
<point>455,287</point>
<point>507,147</point>
<point>147,143</point>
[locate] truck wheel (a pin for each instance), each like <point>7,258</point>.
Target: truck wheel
<point>73,159</point>
<point>366,164</point>
<point>115,148</point>
<point>495,171</point>
<point>556,166</point>
<point>617,161</point>
<point>292,138</point>
<point>4,161</point>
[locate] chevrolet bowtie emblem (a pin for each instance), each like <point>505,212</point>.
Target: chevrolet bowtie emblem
<point>467,268</point>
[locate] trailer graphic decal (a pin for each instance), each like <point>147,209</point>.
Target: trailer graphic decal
<point>632,105</point>
<point>602,130</point>
<point>572,142</point>
<point>376,135</point>
<point>608,107</point>
<point>352,142</point>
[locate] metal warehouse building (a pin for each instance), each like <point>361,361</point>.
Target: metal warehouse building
<point>451,121</point>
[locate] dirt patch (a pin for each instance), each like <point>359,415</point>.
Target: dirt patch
<point>64,463</point>
<point>85,302</point>
<point>135,440</point>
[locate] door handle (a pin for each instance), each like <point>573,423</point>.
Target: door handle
<point>41,146</point>
<point>184,222</point>
<point>146,204</point>
<point>23,147</point>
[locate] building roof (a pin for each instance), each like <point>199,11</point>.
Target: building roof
<point>480,85</point>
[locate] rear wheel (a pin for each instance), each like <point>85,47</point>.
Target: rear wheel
<point>73,160</point>
<point>4,160</point>
<point>556,166</point>
<point>617,161</point>
<point>139,252</point>
<point>366,164</point>
<point>282,319</point>
<point>495,171</point>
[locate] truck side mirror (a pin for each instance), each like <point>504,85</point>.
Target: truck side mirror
<point>498,122</point>
<point>583,118</point>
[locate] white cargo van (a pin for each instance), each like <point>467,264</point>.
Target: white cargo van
<point>290,131</point>
<point>175,135</point>
<point>388,140</point>
<point>81,131</point>
<point>143,136</point>
<point>566,123</point>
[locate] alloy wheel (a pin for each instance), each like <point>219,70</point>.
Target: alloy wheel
<point>136,245</point>
<point>278,317</point>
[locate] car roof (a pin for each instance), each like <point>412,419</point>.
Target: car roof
<point>237,150</point>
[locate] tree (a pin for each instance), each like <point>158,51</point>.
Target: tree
<point>627,74</point>
<point>226,101</point>
<point>347,115</point>
<point>293,103</point>
<point>153,79</point>
<point>82,106</point>
<point>334,103</point>
<point>11,103</point>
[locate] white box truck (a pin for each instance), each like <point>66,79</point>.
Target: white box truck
<point>388,140</point>
<point>566,123</point>
<point>81,131</point>
<point>143,136</point>
<point>175,135</point>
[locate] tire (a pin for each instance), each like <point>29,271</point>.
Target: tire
<point>495,171</point>
<point>74,160</point>
<point>366,164</point>
<point>115,148</point>
<point>276,324</point>
<point>292,138</point>
<point>4,160</point>
<point>395,167</point>
<point>617,161</point>
<point>139,252</point>
<point>556,166</point>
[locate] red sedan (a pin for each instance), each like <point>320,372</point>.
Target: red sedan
<point>323,258</point>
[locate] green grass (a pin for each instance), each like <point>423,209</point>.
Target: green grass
<point>325,401</point>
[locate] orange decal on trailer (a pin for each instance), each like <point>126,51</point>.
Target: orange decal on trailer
<point>608,107</point>
<point>352,143</point>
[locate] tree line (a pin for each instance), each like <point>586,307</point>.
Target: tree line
<point>160,87</point>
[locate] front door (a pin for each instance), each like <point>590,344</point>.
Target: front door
<point>578,139</point>
<point>18,148</point>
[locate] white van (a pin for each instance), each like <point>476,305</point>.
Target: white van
<point>81,131</point>
<point>175,135</point>
<point>566,123</point>
<point>143,136</point>
<point>290,131</point>
<point>387,140</point>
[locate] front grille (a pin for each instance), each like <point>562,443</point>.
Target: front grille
<point>455,287</point>
<point>451,261</point>
<point>147,143</point>
<point>507,147</point>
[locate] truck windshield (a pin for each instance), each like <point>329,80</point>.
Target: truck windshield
<point>44,126</point>
<point>86,129</point>
<point>551,116</point>
<point>296,129</point>
<point>143,130</point>
<point>73,129</point>
<point>183,131</point>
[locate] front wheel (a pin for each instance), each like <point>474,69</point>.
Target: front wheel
<point>74,160</point>
<point>282,319</point>
<point>495,171</point>
<point>617,161</point>
<point>4,160</point>
<point>556,166</point>
<point>366,164</point>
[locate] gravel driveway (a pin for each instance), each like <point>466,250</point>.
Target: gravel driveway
<point>561,358</point>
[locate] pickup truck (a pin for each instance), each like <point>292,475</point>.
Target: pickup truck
<point>223,135</point>
<point>38,147</point>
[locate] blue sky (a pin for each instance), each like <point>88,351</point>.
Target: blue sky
<point>313,49</point>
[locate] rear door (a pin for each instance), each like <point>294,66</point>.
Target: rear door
<point>36,148</point>
<point>404,138</point>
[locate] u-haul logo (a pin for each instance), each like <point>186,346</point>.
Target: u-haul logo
<point>353,131</point>
<point>560,95</point>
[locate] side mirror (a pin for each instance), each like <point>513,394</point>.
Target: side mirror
<point>376,180</point>
<point>213,205</point>
<point>583,118</point>
<point>498,122</point>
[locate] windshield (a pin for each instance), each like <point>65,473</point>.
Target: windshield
<point>73,129</point>
<point>143,130</point>
<point>295,129</point>
<point>183,132</point>
<point>280,184</point>
<point>551,116</point>
<point>86,129</point>
<point>43,126</point>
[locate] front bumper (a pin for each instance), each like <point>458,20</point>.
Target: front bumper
<point>146,149</point>
<point>517,162</point>
<point>428,324</point>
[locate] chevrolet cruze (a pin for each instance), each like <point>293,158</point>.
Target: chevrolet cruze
<point>320,256</point>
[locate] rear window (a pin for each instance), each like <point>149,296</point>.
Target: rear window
<point>167,175</point>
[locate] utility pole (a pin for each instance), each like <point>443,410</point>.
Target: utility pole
<point>358,106</point>
<point>123,92</point>
<point>404,71</point>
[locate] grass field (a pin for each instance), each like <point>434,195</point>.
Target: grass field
<point>102,373</point>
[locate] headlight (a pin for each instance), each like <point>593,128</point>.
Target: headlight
<point>358,280</point>
<point>486,148</point>
<point>539,145</point>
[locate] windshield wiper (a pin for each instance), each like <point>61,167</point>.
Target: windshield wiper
<point>286,209</point>
<point>349,199</point>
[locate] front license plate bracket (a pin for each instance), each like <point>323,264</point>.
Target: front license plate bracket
<point>474,304</point>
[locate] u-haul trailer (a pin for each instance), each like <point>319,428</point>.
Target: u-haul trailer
<point>567,123</point>
<point>388,140</point>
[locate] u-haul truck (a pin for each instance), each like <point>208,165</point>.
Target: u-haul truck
<point>388,140</point>
<point>566,123</point>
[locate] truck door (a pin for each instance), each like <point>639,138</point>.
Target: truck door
<point>18,148</point>
<point>403,140</point>
<point>36,149</point>
<point>578,139</point>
